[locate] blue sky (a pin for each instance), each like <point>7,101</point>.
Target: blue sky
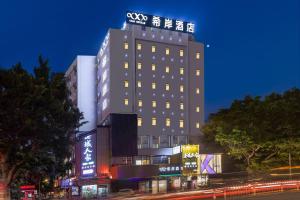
<point>254,45</point>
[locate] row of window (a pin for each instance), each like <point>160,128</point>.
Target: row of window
<point>167,105</point>
<point>146,141</point>
<point>153,50</point>
<point>167,122</point>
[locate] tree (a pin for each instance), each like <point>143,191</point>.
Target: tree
<point>259,131</point>
<point>37,121</point>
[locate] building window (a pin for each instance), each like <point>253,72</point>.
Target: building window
<point>126,102</point>
<point>197,56</point>
<point>197,72</point>
<point>181,52</point>
<point>139,46</point>
<point>153,121</point>
<point>140,121</point>
<point>197,91</point>
<point>167,87</point>
<point>139,83</point>
<point>139,66</point>
<point>155,141</point>
<point>140,103</point>
<point>181,71</point>
<point>181,123</point>
<point>153,67</point>
<point>125,45</point>
<point>197,125</point>
<point>181,106</point>
<point>168,122</point>
<point>125,65</point>
<point>126,84</point>
<point>168,105</point>
<point>143,142</point>
<point>181,88</point>
<point>167,69</point>
<point>164,141</point>
<point>167,51</point>
<point>197,109</point>
<point>153,49</point>
<point>154,104</point>
<point>153,86</point>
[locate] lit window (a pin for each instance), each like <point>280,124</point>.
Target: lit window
<point>153,67</point>
<point>168,122</point>
<point>197,125</point>
<point>139,46</point>
<point>181,88</point>
<point>167,51</point>
<point>167,69</point>
<point>153,86</point>
<point>181,71</point>
<point>126,102</point>
<point>167,87</point>
<point>181,123</point>
<point>167,105</point>
<point>197,109</point>
<point>125,65</point>
<point>197,56</point>
<point>140,121</point>
<point>153,49</point>
<point>140,103</point>
<point>139,66</point>
<point>139,83</point>
<point>125,45</point>
<point>126,84</point>
<point>153,121</point>
<point>154,104</point>
<point>197,72</point>
<point>181,106</point>
<point>197,91</point>
<point>181,52</point>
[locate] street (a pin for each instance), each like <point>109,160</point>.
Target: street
<point>290,195</point>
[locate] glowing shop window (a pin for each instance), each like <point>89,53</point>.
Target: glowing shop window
<point>125,65</point>
<point>140,103</point>
<point>139,66</point>
<point>153,86</point>
<point>126,84</point>
<point>197,91</point>
<point>197,56</point>
<point>154,104</point>
<point>181,52</point>
<point>153,49</point>
<point>167,87</point>
<point>167,51</point>
<point>139,46</point>
<point>181,106</point>
<point>140,121</point>
<point>181,123</point>
<point>139,84</point>
<point>168,122</point>
<point>125,45</point>
<point>126,102</point>
<point>181,71</point>
<point>153,67</point>
<point>197,109</point>
<point>167,69</point>
<point>197,72</point>
<point>153,121</point>
<point>197,125</point>
<point>168,105</point>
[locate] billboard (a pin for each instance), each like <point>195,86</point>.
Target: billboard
<point>210,163</point>
<point>88,155</point>
<point>159,22</point>
<point>190,159</point>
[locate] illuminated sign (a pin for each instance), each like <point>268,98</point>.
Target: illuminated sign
<point>88,155</point>
<point>210,163</point>
<point>159,22</point>
<point>170,169</point>
<point>190,159</point>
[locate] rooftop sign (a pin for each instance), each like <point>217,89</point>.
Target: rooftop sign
<point>159,22</point>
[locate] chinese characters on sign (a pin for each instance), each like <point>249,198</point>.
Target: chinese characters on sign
<point>190,159</point>
<point>159,22</point>
<point>170,169</point>
<point>88,148</point>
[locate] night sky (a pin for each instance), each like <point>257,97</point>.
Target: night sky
<point>254,44</point>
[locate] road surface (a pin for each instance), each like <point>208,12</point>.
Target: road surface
<point>289,195</point>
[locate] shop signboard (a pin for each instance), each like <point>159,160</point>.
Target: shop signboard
<point>170,170</point>
<point>88,155</point>
<point>190,159</point>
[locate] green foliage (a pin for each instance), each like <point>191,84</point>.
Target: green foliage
<point>259,131</point>
<point>37,121</point>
